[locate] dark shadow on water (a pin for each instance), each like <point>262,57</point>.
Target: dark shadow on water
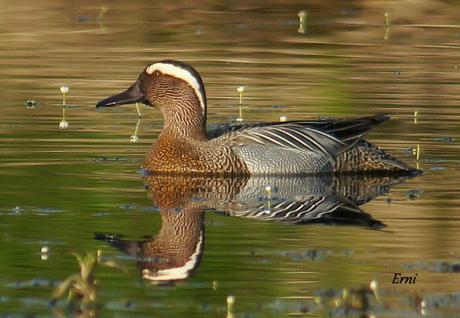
<point>174,253</point>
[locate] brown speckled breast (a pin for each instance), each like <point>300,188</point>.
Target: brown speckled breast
<point>181,155</point>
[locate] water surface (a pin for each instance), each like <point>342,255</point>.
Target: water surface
<point>68,189</point>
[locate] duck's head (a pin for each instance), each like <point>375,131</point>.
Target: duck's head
<point>167,85</point>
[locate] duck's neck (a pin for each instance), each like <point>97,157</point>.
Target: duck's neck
<point>185,120</point>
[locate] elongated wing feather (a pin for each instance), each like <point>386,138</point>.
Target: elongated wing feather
<point>292,136</point>
<point>328,136</point>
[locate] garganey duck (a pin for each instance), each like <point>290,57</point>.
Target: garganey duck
<point>280,148</point>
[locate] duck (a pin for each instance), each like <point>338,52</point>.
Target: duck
<point>300,147</point>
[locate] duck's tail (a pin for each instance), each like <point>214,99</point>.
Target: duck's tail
<point>365,157</point>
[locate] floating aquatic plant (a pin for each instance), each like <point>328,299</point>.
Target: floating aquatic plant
<point>268,189</point>
<point>283,118</point>
<point>63,124</point>
<point>30,103</point>
<point>44,252</point>
<point>240,90</point>
<point>387,19</point>
<point>415,117</point>
<point>134,137</point>
<point>374,286</point>
<point>302,21</point>
<point>64,90</point>
<point>230,303</point>
<point>423,307</point>
<point>387,26</point>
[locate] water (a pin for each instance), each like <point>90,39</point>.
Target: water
<point>79,190</point>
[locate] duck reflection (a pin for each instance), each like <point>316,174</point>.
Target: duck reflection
<point>175,252</point>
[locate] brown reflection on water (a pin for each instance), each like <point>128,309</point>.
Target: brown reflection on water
<point>175,252</point>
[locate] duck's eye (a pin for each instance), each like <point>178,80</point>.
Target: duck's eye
<point>156,73</point>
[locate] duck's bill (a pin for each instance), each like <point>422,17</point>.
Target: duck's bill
<point>131,95</point>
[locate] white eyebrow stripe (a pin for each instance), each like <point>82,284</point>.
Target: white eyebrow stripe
<point>183,74</point>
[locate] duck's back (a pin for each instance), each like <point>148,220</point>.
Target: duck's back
<point>309,147</point>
